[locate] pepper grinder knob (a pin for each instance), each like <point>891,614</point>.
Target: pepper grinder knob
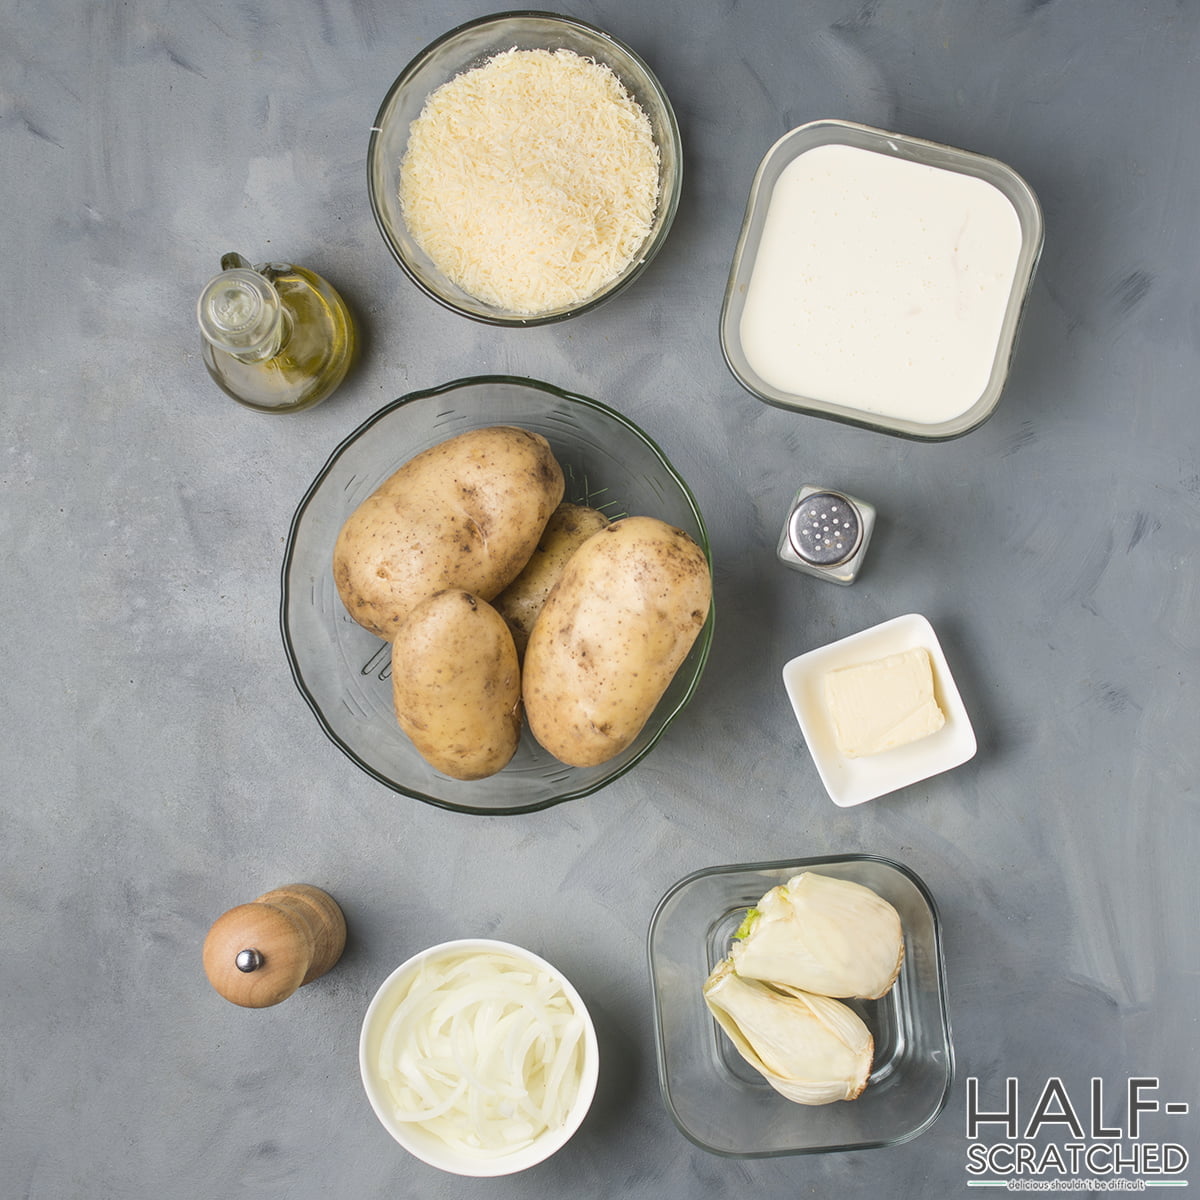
<point>258,954</point>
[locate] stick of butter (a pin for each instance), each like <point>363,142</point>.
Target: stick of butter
<point>877,706</point>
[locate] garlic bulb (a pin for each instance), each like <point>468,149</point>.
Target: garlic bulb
<point>823,935</point>
<point>810,1049</point>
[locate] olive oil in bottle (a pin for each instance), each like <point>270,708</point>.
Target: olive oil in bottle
<point>277,338</point>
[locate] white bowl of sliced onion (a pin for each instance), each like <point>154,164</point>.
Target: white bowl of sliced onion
<point>479,1057</point>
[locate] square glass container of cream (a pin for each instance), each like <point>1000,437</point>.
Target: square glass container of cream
<point>879,280</point>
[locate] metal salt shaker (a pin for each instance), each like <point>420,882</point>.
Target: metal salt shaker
<point>826,534</point>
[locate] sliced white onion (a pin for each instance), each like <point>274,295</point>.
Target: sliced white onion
<point>484,1051</point>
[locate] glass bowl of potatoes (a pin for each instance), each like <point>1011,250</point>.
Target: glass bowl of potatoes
<point>344,670</point>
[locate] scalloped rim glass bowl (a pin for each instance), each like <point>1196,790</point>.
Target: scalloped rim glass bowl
<point>418,1141</point>
<point>720,1102</point>
<point>344,672</point>
<point>469,46</point>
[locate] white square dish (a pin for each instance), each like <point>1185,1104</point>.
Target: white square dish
<point>851,781</point>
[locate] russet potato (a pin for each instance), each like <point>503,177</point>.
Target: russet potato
<point>570,525</point>
<point>610,637</point>
<point>466,513</point>
<point>456,684</point>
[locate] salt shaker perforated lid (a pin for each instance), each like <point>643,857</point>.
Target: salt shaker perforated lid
<point>826,534</point>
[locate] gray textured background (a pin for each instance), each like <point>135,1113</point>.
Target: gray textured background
<point>159,765</point>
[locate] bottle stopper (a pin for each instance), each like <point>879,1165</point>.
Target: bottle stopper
<point>826,534</point>
<point>258,954</point>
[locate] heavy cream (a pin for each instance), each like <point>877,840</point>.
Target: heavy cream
<point>880,284</point>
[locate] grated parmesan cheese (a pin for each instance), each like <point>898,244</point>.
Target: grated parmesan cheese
<point>531,181</point>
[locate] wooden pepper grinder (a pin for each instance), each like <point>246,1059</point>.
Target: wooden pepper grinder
<point>258,954</point>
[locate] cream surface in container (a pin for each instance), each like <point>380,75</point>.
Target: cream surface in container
<point>879,280</point>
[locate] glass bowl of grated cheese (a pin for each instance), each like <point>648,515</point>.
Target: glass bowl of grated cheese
<point>524,167</point>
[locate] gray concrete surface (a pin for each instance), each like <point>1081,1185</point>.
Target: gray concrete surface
<point>159,765</point>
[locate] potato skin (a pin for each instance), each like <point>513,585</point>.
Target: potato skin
<point>466,513</point>
<point>611,636</point>
<point>456,684</point>
<point>570,525</point>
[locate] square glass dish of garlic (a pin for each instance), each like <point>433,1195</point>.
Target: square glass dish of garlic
<point>715,1094</point>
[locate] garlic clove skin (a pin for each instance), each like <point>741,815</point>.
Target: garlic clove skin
<point>827,936</point>
<point>811,1049</point>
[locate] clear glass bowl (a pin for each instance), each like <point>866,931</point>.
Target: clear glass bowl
<point>895,146</point>
<point>344,672</point>
<point>717,1099</point>
<point>469,46</point>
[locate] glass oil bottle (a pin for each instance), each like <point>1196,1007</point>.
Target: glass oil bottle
<point>276,338</point>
